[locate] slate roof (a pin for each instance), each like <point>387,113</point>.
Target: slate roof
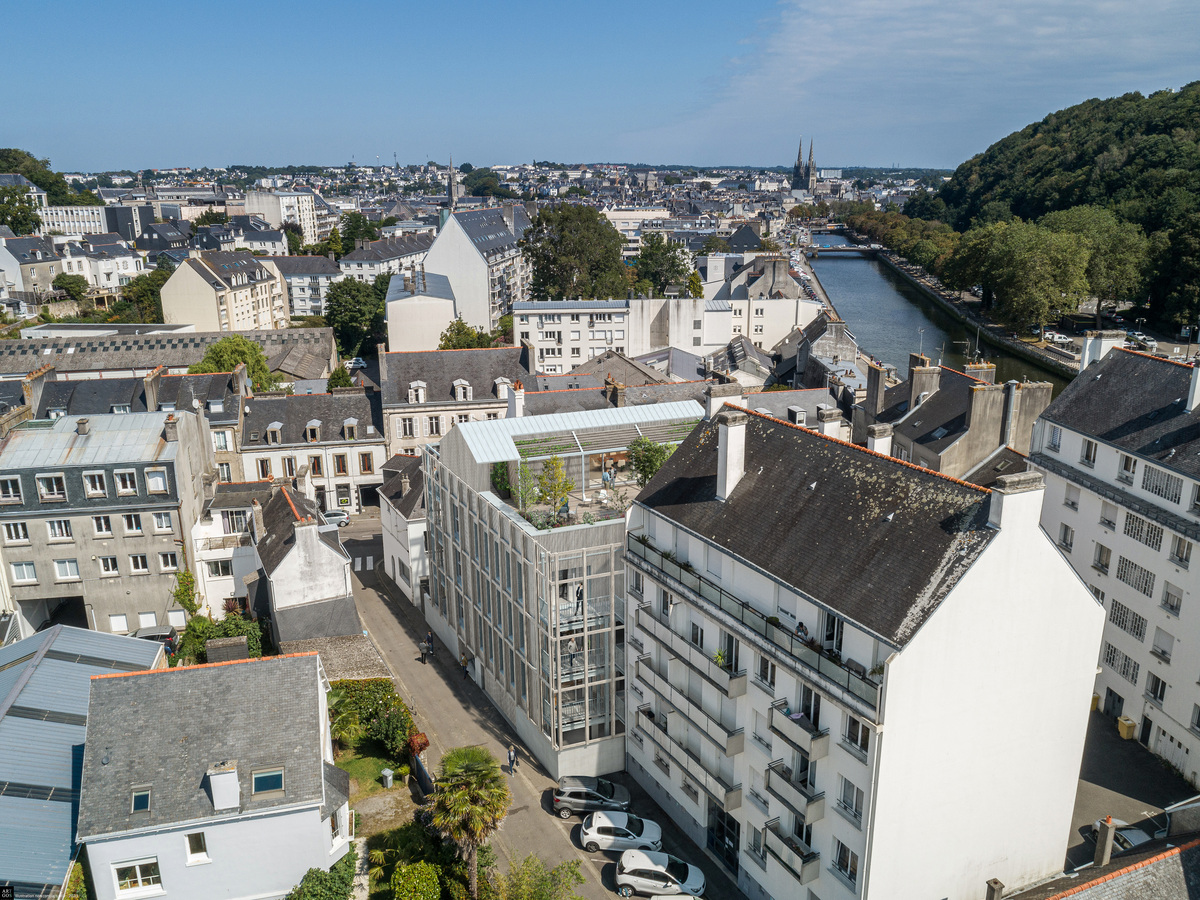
<point>347,656</point>
<point>621,368</point>
<point>440,368</point>
<point>410,504</point>
<point>295,411</point>
<point>569,381</point>
<point>878,541</point>
<point>940,420</point>
<point>1166,871</point>
<point>218,267</point>
<point>280,513</point>
<point>423,284</point>
<point>305,265</point>
<point>675,363</point>
<point>44,685</point>
<point>92,396</point>
<point>1002,461</point>
<point>263,713</point>
<point>776,403</point>
<point>24,248</point>
<point>563,400</point>
<point>15,179</point>
<point>489,232</point>
<point>390,248</point>
<point>1137,403</point>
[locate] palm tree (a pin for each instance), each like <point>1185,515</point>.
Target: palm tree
<point>470,802</point>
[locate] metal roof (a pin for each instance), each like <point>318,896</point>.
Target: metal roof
<point>119,438</point>
<point>493,441</point>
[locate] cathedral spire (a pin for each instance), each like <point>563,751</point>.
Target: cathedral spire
<point>798,175</point>
<point>811,170</point>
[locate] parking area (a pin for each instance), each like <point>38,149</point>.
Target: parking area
<point>1121,779</point>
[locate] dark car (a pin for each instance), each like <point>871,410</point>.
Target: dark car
<point>585,794</point>
<point>164,634</point>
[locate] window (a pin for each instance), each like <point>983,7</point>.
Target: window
<point>1071,499</point>
<point>845,861</point>
<point>147,620</point>
<point>15,533</point>
<point>857,734</point>
<point>696,342</point>
<point>1108,515</point>
<point>697,635</point>
<point>1102,558</point>
<point>758,311</point>
<point>10,490</point>
<point>59,529</point>
<point>220,568</point>
<point>314,466</point>
<point>1181,551</point>
<point>138,875</point>
<point>1156,688</point>
<point>141,800</point>
<point>274,436</point>
<point>121,408</point>
<point>117,623</point>
<point>737,312</point>
<point>758,329</point>
<point>1088,455</point>
<point>162,521</point>
<point>156,481</point>
<point>1127,620</point>
<point>108,566</point>
<point>1120,663</point>
<point>93,484</point>
<point>1164,644</point>
<point>66,570</point>
<point>234,521</point>
<point>434,425</point>
<point>264,469</point>
<point>52,487</point>
<point>339,464</point>
<point>1143,532</point>
<point>851,799</point>
<point>168,562</point>
<point>224,473</point>
<point>103,526</point>
<point>766,671</point>
<point>23,572</point>
<point>312,433</point>
<point>408,427</point>
<point>138,564</point>
<point>220,440</point>
<point>197,848</point>
<point>1172,598</point>
<point>1066,536</point>
<point>267,780</point>
<point>1162,484</point>
<point>126,482</point>
<point>1128,468</point>
<point>133,523</point>
<point>1141,580</point>
<point>366,463</point>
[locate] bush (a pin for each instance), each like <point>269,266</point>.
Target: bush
<point>336,884</point>
<point>378,711</point>
<point>201,629</point>
<point>418,881</point>
<point>77,883</point>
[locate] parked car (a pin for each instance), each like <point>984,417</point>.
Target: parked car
<point>1127,837</point>
<point>1135,336</point>
<point>357,363</point>
<point>164,634</point>
<point>585,794</point>
<point>657,875</point>
<point>619,831</point>
<point>337,517</point>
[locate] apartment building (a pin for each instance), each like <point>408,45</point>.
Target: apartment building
<point>95,514</point>
<point>477,250</point>
<point>73,220</point>
<point>402,514</point>
<point>418,309</point>
<point>105,260</point>
<point>540,615</point>
<point>308,280</point>
<point>30,264</point>
<point>628,220</point>
<point>288,207</point>
<point>1118,449</point>
<point>767,301</point>
<point>827,648</point>
<point>390,256</point>
<point>219,291</point>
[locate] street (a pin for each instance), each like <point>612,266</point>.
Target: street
<point>454,712</point>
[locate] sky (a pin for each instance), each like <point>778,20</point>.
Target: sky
<point>929,83</point>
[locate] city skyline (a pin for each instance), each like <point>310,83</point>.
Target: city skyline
<point>909,83</point>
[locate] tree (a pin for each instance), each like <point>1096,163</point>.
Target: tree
<point>338,378</point>
<point>524,490</point>
<point>461,336</point>
<point>647,457</point>
<point>533,879</point>
<point>18,210</point>
<point>58,192</point>
<point>466,168</point>
<point>353,311</point>
<point>295,237</point>
<point>334,242</point>
<point>225,355</point>
<point>695,286</point>
<point>485,183</point>
<point>706,186</point>
<point>574,252</point>
<point>661,262</point>
<point>553,484</point>
<point>767,245</point>
<point>144,293</point>
<point>202,629</point>
<point>75,285</point>
<point>714,244</point>
<point>1118,256</point>
<point>380,286</point>
<point>504,330</point>
<point>469,803</point>
<point>416,881</point>
<point>355,227</point>
<point>211,217</point>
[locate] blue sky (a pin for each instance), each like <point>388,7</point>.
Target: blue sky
<point>875,82</point>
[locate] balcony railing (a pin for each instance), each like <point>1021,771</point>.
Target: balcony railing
<point>646,557</point>
<point>797,730</point>
<point>225,542</point>
<point>799,798</point>
<point>731,684</point>
<point>793,854</point>
<point>726,738</point>
<point>729,796</point>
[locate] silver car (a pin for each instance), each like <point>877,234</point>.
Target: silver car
<point>336,517</point>
<point>619,831</point>
<point>657,875</point>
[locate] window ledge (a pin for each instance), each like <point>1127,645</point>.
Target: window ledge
<point>1170,610</point>
<point>1103,570</point>
<point>198,861</point>
<point>1160,656</point>
<point>854,750</point>
<point>849,816</point>
<point>844,879</point>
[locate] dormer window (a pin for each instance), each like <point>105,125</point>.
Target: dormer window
<point>312,431</point>
<point>275,433</point>
<point>216,406</point>
<point>350,429</point>
<point>121,408</point>
<point>462,389</point>
<point>416,392</point>
<point>140,800</point>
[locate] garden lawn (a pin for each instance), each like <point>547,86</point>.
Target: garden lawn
<point>363,760</point>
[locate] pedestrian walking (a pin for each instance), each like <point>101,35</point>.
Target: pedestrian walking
<point>429,641</point>
<point>572,649</point>
<point>579,599</point>
<point>512,759</point>
<point>463,661</point>
<point>424,647</point>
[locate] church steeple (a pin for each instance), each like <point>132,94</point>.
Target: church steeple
<point>799,179</point>
<point>811,170</point>
<point>451,187</point>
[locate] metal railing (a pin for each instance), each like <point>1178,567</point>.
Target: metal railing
<point>727,738</point>
<point>796,856</point>
<point>729,682</point>
<point>799,732</point>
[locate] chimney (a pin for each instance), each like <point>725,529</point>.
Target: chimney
<point>618,395</point>
<point>922,383</point>
<point>405,484</point>
<point>717,395</point>
<point>32,385</point>
<point>1104,842</point>
<point>916,361</point>
<point>731,450</point>
<point>506,210</point>
<point>361,243</point>
<point>797,415</point>
<point>241,380</point>
<point>150,384</point>
<point>1017,501</point>
<point>171,429</point>
<point>1097,344</point>
<point>984,371</point>
<point>829,420</point>
<point>223,784</point>
<point>332,256</point>
<point>995,889</point>
<point>876,386</point>
<point>516,401</point>
<point>1194,389</point>
<point>260,528</point>
<point>81,426</point>
<point>879,439</point>
<point>1010,414</point>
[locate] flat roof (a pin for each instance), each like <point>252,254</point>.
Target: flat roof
<point>112,438</point>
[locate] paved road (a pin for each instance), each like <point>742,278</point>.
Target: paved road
<point>454,712</point>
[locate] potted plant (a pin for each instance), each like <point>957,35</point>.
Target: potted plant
<point>643,539</point>
<point>718,659</point>
<point>773,620</point>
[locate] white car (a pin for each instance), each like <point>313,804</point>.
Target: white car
<point>1127,837</point>
<point>337,517</point>
<point>619,831</point>
<point>657,875</point>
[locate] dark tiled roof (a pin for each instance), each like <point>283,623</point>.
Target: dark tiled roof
<point>941,419</point>
<point>295,411</point>
<point>1003,461</point>
<point>878,541</point>
<point>263,713</point>
<point>621,368</point>
<point>410,504</point>
<point>1137,403</point>
<point>280,514</point>
<point>305,265</point>
<point>218,267</point>
<point>1165,871</point>
<point>489,232</point>
<point>90,396</point>
<point>391,248</point>
<point>440,368</point>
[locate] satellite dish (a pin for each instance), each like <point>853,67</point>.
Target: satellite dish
<point>195,403</point>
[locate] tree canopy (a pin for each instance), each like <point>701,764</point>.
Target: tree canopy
<point>661,263</point>
<point>714,244</point>
<point>228,352</point>
<point>647,457</point>
<point>18,210</point>
<point>574,252</point>
<point>144,292</point>
<point>356,226</point>
<point>470,801</point>
<point>354,311</point>
<point>58,192</point>
<point>485,183</point>
<point>338,378</point>
<point>75,285</point>
<point>461,336</point>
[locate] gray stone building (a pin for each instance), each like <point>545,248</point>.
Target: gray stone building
<point>94,516</point>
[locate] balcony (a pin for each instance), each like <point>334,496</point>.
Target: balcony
<point>793,854</point>
<point>797,730</point>
<point>653,563</point>
<point>225,542</point>
<point>726,738</point>
<point>799,798</point>
<point>730,797</point>
<point>731,684</point>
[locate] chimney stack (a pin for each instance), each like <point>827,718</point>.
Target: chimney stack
<point>923,381</point>
<point>405,484</point>
<point>150,384</point>
<point>879,438</point>
<point>717,395</point>
<point>1097,344</point>
<point>260,528</point>
<point>81,426</point>
<point>1104,842</point>
<point>1193,399</point>
<point>829,420</point>
<point>995,889</point>
<point>1017,501</point>
<point>223,783</point>
<point>984,371</point>
<point>876,386</point>
<point>731,450</point>
<point>171,429</point>
<point>516,401</point>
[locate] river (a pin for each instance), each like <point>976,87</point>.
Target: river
<point>890,319</point>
